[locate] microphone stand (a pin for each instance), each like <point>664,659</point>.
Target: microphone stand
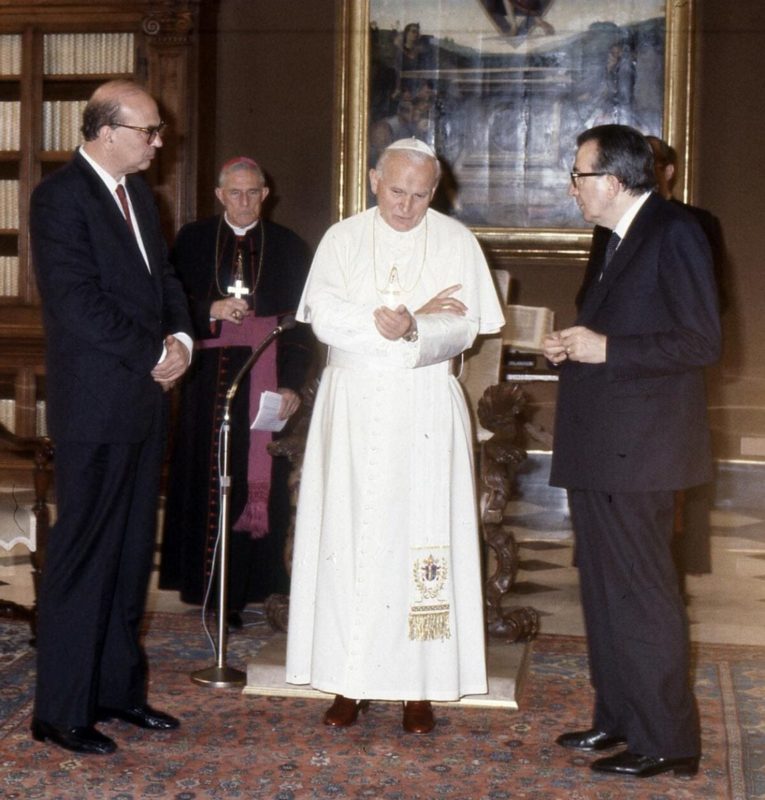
<point>220,675</point>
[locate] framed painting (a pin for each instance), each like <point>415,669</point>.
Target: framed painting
<point>500,89</point>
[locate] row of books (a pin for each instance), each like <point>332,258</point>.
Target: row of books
<point>62,120</point>
<point>9,276</point>
<point>8,416</point>
<point>88,53</point>
<point>10,125</point>
<point>10,54</point>
<point>9,205</point>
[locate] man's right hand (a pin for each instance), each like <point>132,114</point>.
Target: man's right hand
<point>553,348</point>
<point>230,309</point>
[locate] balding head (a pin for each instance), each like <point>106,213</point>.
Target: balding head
<point>122,128</point>
<point>105,105</point>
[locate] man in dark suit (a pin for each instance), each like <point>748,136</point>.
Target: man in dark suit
<point>631,428</point>
<point>118,333</point>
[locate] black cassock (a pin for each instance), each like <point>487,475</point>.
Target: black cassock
<point>204,256</point>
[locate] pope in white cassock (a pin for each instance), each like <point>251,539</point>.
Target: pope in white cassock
<point>386,599</point>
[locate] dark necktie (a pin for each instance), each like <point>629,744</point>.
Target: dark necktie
<point>613,243</point>
<point>122,196</point>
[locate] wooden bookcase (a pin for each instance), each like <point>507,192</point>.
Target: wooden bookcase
<point>53,54</point>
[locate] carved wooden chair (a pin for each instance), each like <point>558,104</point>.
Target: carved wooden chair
<point>28,460</point>
<point>498,409</point>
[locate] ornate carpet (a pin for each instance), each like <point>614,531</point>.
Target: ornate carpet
<point>232,745</point>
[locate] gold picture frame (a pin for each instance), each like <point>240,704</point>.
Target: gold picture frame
<point>358,85</point>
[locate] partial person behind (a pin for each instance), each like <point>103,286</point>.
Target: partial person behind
<point>665,167</point>
<point>691,544</point>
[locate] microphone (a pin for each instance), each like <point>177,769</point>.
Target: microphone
<point>220,674</point>
<point>287,323</point>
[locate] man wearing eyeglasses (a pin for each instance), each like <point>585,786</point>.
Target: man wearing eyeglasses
<point>118,335</point>
<point>631,428</point>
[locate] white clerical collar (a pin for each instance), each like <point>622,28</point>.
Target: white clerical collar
<point>239,231</point>
<point>626,219</point>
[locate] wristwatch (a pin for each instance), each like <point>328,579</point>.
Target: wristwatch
<point>413,335</point>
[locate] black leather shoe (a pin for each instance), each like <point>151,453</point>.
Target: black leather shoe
<point>589,740</point>
<point>626,763</point>
<point>143,716</point>
<point>80,740</point>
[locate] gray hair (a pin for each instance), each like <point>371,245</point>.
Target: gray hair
<point>237,165</point>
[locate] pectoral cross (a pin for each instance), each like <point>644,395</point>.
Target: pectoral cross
<point>239,289</point>
<point>392,294</point>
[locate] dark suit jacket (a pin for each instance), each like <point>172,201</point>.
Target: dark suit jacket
<point>105,314</point>
<point>638,422</point>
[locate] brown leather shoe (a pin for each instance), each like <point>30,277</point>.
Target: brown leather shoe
<point>344,711</point>
<point>418,716</point>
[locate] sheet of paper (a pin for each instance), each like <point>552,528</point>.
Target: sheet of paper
<point>268,413</point>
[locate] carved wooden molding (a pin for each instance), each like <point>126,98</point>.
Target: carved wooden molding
<point>171,22</point>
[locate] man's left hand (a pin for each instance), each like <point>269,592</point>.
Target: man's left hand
<point>290,403</point>
<point>582,344</point>
<point>445,302</point>
<point>173,365</point>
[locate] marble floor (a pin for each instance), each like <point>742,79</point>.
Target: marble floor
<point>726,606</point>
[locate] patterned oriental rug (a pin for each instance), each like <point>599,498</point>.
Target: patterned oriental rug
<point>232,745</point>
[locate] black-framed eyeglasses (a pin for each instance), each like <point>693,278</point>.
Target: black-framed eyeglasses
<point>576,175</point>
<point>151,132</point>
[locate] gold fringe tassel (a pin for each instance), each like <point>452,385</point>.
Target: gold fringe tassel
<point>430,624</point>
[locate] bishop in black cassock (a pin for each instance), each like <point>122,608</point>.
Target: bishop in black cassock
<point>272,263</point>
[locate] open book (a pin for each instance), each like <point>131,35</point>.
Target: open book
<point>526,327</point>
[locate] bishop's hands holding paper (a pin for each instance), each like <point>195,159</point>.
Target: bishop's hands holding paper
<point>243,275</point>
<point>386,597</point>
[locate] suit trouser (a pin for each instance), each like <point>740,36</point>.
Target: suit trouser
<point>95,579</point>
<point>636,623</point>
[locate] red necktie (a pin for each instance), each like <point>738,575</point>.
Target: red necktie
<point>120,190</point>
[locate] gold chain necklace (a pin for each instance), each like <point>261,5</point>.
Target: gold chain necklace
<point>393,282</point>
<point>218,257</point>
